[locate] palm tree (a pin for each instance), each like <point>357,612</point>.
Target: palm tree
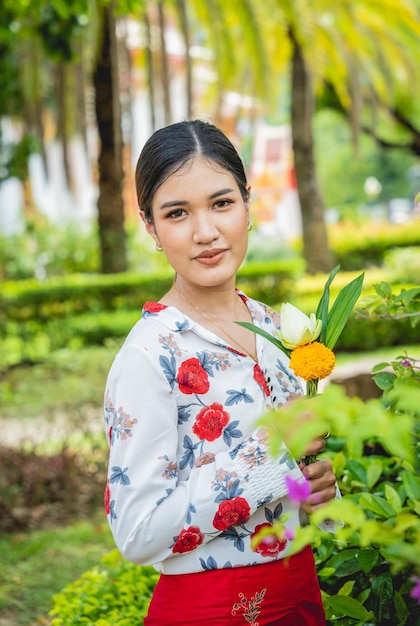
<point>345,46</point>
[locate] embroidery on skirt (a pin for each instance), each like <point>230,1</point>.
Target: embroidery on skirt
<point>251,608</point>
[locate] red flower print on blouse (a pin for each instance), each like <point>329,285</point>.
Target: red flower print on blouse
<point>153,307</point>
<point>188,540</point>
<point>259,377</point>
<point>231,512</point>
<point>270,545</point>
<point>210,422</point>
<point>192,377</point>
<point>107,499</point>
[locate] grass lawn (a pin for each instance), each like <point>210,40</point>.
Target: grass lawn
<point>35,566</point>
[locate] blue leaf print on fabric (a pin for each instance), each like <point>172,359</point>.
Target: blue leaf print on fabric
<point>169,369</point>
<point>288,460</point>
<point>118,476</point>
<point>209,565</point>
<point>266,500</point>
<point>229,489</point>
<point>192,509</point>
<point>112,513</point>
<point>287,372</point>
<point>238,396</point>
<point>272,516</point>
<point>168,491</point>
<point>183,414</point>
<point>188,457</point>
<point>231,432</point>
<point>205,362</point>
<point>278,511</point>
<point>237,538</point>
<point>182,326</point>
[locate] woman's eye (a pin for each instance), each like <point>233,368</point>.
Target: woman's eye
<point>176,213</point>
<point>222,204</point>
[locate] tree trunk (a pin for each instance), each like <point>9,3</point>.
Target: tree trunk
<point>183,17</point>
<point>316,251</point>
<point>62,119</point>
<point>150,71</point>
<point>112,234</point>
<point>164,66</point>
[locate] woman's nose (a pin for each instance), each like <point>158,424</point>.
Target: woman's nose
<point>205,229</point>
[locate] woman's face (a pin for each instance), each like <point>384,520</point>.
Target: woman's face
<point>201,221</point>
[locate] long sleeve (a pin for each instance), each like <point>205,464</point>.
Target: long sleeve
<point>173,487</point>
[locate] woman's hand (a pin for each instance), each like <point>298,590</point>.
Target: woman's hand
<point>322,480</point>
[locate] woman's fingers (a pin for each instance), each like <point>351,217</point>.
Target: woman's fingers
<point>322,481</point>
<point>315,446</point>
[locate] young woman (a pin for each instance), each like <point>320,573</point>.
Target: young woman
<point>191,482</point>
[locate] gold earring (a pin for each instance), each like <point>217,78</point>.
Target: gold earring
<point>249,225</point>
<point>158,248</point>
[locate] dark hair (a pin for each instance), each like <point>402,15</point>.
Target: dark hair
<point>169,148</point>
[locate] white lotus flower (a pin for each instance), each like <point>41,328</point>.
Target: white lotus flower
<point>297,329</point>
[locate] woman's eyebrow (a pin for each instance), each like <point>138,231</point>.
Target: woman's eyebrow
<point>216,194</point>
<point>171,203</point>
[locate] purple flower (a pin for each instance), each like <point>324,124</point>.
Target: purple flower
<point>406,363</point>
<point>289,534</point>
<point>298,490</point>
<point>415,592</point>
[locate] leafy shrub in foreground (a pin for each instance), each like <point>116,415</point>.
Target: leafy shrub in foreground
<point>117,593</point>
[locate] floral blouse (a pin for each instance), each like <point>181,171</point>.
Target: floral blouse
<point>190,480</point>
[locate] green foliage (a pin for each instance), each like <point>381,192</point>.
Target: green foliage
<point>336,153</point>
<point>40,563</point>
<point>115,594</point>
<point>386,304</point>
<point>359,246</point>
<point>366,568</point>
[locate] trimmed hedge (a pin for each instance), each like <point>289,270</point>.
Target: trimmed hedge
<point>364,245</point>
<point>80,293</point>
<point>39,318</point>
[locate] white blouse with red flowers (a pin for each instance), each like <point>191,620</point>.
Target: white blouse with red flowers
<point>190,479</point>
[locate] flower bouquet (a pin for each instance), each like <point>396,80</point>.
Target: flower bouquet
<point>309,341</point>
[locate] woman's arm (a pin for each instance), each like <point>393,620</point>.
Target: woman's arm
<point>150,508</point>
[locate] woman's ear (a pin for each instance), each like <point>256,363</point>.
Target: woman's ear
<point>150,228</point>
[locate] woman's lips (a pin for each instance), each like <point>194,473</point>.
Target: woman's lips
<point>210,257</point>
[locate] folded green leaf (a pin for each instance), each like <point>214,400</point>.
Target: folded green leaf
<point>341,310</point>
<point>259,331</point>
<point>322,309</point>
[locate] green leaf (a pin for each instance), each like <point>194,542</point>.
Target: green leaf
<point>400,608</point>
<point>260,331</point>
<point>411,484</point>
<point>393,498</point>
<point>373,472</point>
<point>367,559</point>
<point>384,380</point>
<point>323,305</point>
<point>379,366</point>
<point>377,504</point>
<point>348,607</point>
<point>341,310</point>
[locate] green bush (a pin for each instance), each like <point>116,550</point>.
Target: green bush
<point>117,593</point>
<point>363,245</point>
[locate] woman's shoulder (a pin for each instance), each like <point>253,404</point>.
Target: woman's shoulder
<point>261,312</point>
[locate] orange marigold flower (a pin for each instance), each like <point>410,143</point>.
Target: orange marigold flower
<point>312,361</point>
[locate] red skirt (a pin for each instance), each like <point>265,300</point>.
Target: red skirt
<point>282,592</point>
